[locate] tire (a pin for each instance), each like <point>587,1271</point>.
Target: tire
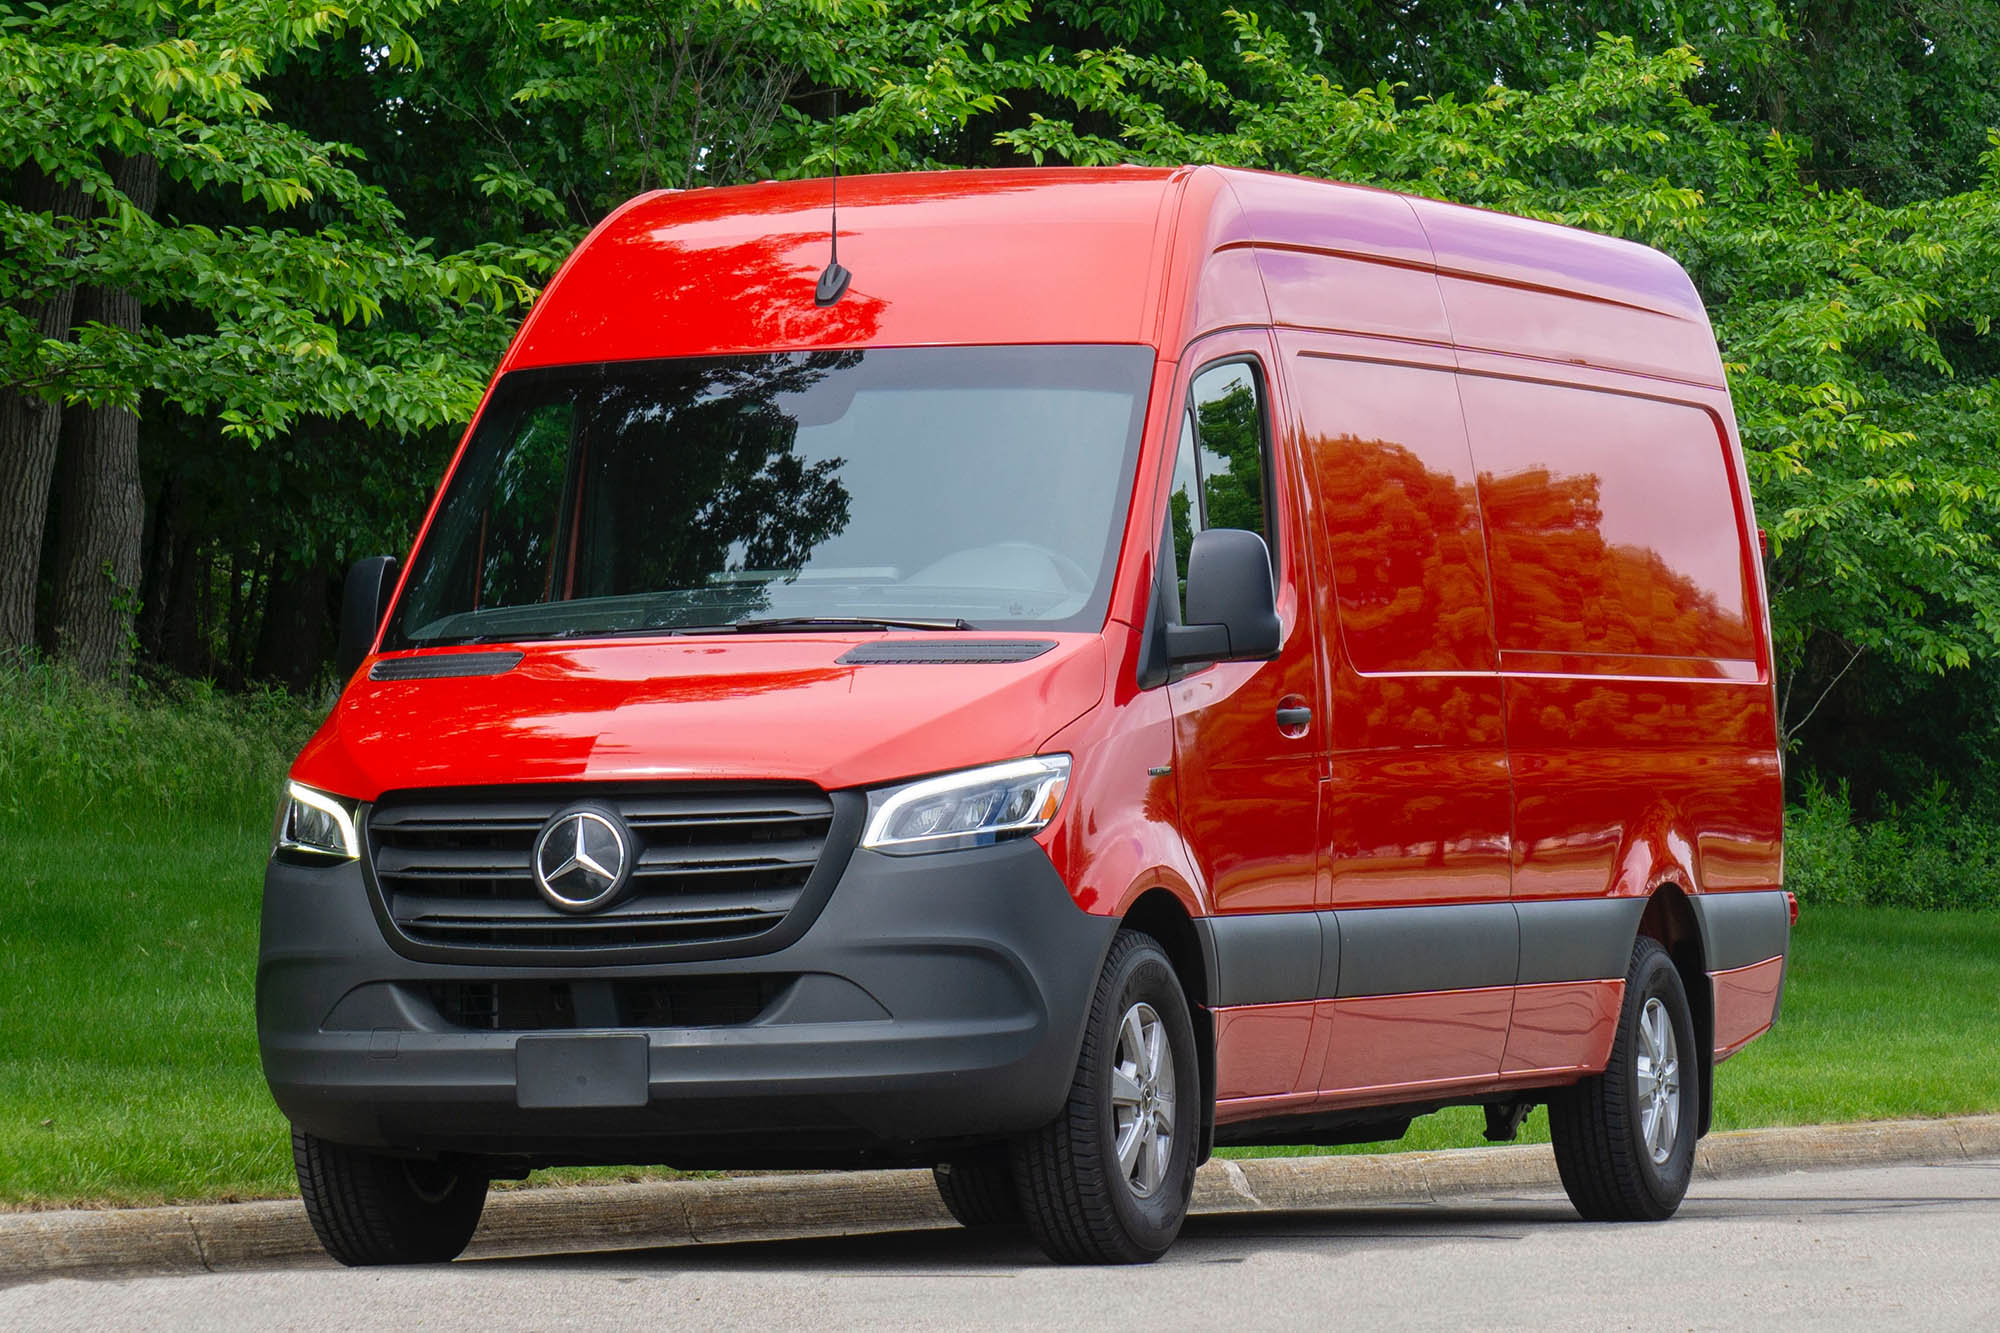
<point>1083,1204</point>
<point>369,1208</point>
<point>978,1188</point>
<point>1624,1143</point>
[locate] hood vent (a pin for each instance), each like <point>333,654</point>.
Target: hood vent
<point>933,652</point>
<point>444,665</point>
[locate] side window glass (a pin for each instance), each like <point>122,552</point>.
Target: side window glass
<point>1219,463</point>
<point>1230,439</point>
<point>1184,503</point>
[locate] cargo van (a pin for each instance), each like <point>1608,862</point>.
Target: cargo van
<point>1121,662</point>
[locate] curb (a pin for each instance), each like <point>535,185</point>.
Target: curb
<point>213,1237</point>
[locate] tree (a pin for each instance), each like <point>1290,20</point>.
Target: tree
<point>252,326</point>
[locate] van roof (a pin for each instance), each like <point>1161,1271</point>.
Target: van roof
<point>1085,255</point>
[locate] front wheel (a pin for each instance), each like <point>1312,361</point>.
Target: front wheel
<point>978,1188</point>
<point>1109,1179</point>
<point>1624,1139</point>
<point>371,1208</point>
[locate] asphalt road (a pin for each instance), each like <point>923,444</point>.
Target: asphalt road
<point>1880,1247</point>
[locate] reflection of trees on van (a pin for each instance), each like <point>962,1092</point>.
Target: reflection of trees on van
<point>1407,557</point>
<point>1560,587</point>
<point>1559,710</point>
<point>1230,433</point>
<point>756,292</point>
<point>527,496</point>
<point>1410,567</point>
<point>690,471</point>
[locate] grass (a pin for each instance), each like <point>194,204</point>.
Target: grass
<point>132,841</point>
<point>132,836</point>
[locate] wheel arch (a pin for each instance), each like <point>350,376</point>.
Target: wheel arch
<point>1670,918</point>
<point>1160,914</point>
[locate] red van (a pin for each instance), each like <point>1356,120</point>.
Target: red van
<point>1162,659</point>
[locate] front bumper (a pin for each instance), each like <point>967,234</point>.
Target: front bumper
<point>935,999</point>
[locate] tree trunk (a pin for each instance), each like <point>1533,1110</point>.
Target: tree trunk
<point>103,516</point>
<point>181,641</point>
<point>243,638</point>
<point>205,613</point>
<point>291,640</point>
<point>162,533</point>
<point>29,429</point>
<point>226,629</point>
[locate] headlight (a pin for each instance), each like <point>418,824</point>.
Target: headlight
<point>315,824</point>
<point>974,808</point>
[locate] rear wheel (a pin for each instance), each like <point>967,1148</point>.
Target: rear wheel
<point>1108,1181</point>
<point>1625,1139</point>
<point>371,1208</point>
<point>978,1188</point>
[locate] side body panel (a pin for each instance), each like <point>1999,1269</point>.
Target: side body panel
<point>1548,664</point>
<point>1417,811</point>
<point>1249,788</point>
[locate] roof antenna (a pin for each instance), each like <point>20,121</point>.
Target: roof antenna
<point>834,279</point>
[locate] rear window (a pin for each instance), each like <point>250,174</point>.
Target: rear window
<point>1611,524</point>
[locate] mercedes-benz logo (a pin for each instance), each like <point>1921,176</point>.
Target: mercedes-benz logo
<point>582,858</point>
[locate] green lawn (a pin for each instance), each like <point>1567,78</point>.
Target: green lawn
<point>128,1057</point>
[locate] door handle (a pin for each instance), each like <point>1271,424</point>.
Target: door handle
<point>1295,719</point>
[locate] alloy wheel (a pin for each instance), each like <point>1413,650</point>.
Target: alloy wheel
<point>1142,1099</point>
<point>1658,1071</point>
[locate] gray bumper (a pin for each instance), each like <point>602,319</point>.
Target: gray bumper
<point>934,999</point>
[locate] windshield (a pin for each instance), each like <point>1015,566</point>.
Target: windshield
<point>942,487</point>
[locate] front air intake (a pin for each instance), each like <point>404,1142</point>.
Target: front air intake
<point>712,863</point>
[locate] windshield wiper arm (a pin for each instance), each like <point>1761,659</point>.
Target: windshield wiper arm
<point>774,623</point>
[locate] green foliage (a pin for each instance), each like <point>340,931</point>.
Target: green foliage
<point>277,312</point>
<point>1932,854</point>
<point>73,753</point>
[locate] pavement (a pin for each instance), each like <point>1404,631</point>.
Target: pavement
<point>1874,1247</point>
<point>38,1246</point>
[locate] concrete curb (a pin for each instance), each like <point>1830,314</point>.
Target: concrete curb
<point>208,1238</point>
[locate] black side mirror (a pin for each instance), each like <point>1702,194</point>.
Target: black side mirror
<point>363,602</point>
<point>1232,609</point>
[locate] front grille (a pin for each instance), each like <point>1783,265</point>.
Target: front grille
<point>540,1006</point>
<point>714,862</point>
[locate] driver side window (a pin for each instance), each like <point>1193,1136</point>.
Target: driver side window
<point>1219,472</point>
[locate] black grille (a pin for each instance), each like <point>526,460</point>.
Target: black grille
<point>714,863</point>
<point>539,1006</point>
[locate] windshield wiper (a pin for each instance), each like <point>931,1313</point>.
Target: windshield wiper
<point>768,625</point>
<point>777,623</point>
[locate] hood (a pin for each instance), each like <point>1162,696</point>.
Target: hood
<point>754,707</point>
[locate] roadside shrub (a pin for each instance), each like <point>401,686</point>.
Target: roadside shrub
<point>1933,854</point>
<point>80,754</point>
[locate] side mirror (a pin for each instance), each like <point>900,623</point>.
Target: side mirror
<point>1232,609</point>
<point>362,604</point>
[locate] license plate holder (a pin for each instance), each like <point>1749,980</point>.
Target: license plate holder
<point>580,1071</point>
